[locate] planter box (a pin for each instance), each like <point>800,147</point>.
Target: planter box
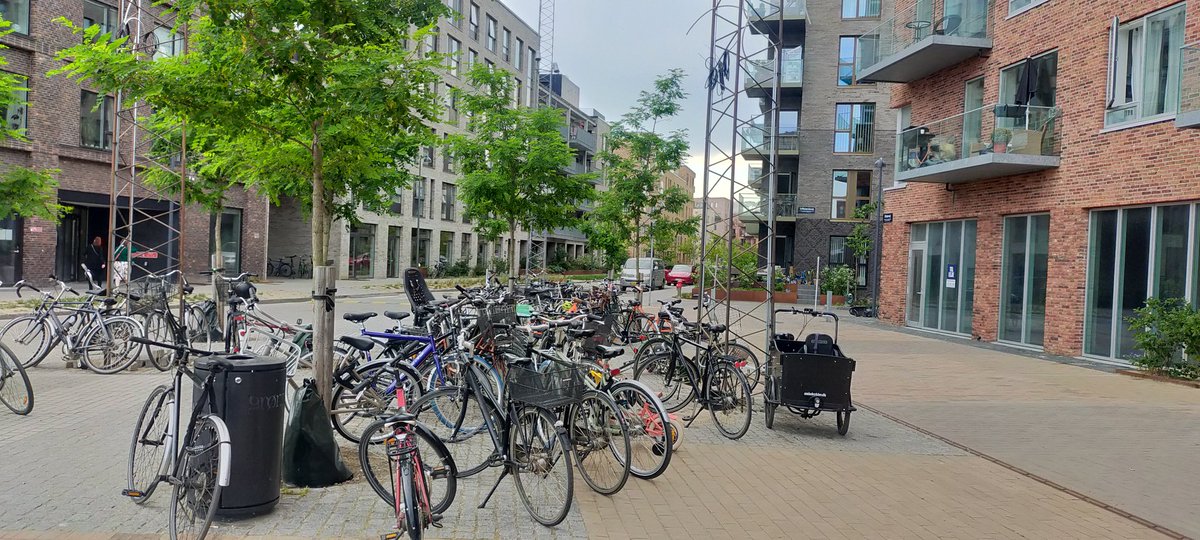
<point>837,299</point>
<point>751,295</point>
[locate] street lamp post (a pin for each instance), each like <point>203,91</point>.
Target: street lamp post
<point>878,255</point>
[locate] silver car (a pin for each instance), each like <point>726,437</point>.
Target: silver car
<point>643,272</point>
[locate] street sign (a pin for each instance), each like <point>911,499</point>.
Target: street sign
<point>806,210</point>
<point>887,218</point>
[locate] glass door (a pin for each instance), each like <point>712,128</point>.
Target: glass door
<point>395,242</point>
<point>941,276</point>
<point>916,274</point>
<point>10,250</point>
<point>362,246</point>
<point>1023,282</point>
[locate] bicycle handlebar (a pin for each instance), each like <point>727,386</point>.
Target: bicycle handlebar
<point>808,311</point>
<point>177,348</point>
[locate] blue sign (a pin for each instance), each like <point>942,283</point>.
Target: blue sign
<point>806,210</point>
<point>951,276</point>
<point>887,218</point>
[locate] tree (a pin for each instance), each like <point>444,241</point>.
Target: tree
<point>311,99</point>
<point>512,160</point>
<point>24,191</point>
<point>635,161</point>
<point>859,242</point>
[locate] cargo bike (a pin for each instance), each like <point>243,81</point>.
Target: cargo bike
<point>811,376</point>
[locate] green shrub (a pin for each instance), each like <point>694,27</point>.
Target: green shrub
<point>1164,330</point>
<point>837,279</point>
<point>459,269</point>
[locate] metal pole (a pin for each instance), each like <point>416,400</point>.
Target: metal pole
<point>878,255</point>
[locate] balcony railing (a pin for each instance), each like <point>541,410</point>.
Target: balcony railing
<point>753,207</point>
<point>770,9</point>
<point>990,142</point>
<point>761,73</point>
<point>1189,87</point>
<point>582,137</point>
<point>756,139</point>
<point>924,38</point>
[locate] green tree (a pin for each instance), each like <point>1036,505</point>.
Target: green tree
<point>859,242</point>
<point>311,99</point>
<point>24,191</point>
<point>635,161</point>
<point>512,161</point>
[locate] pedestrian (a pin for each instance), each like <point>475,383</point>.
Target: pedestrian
<point>94,260</point>
<point>121,259</point>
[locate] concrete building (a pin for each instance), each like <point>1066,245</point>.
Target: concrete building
<point>1046,182</point>
<point>833,126</point>
<point>66,132</point>
<point>683,178</point>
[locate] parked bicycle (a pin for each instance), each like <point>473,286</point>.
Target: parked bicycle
<point>16,392</point>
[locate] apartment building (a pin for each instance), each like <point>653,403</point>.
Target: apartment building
<point>832,127</point>
<point>67,131</point>
<point>683,178</point>
<point>1046,177</point>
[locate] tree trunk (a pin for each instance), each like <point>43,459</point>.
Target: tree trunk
<point>324,277</point>
<point>512,255</point>
<point>218,267</point>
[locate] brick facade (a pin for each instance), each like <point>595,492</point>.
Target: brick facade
<point>1136,165</point>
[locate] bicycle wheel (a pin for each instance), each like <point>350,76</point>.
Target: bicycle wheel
<point>541,465</point>
<point>285,270</point>
<point>676,386</point>
<point>455,416</point>
<point>197,479</point>
<point>649,428</point>
<point>149,451</point>
<point>437,464</point>
<point>158,330</point>
<point>109,348</point>
<point>352,412</point>
<point>600,439</point>
<point>28,338</point>
<point>743,358</point>
<point>197,326</point>
<point>729,399</point>
<point>15,390</point>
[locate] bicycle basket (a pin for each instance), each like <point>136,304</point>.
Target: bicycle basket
<point>150,291</point>
<point>556,385</point>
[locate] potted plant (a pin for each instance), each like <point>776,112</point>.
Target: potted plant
<point>1000,138</point>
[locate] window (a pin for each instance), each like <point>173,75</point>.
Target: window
<point>231,239</point>
<point>398,203</point>
<point>166,43</point>
<point>447,161</point>
<point>455,51</point>
<point>854,132</point>
<point>451,105</point>
<point>491,34</point>
<point>420,247</point>
<point>518,89</point>
<point>465,250</point>
<point>17,13</point>
<point>95,117</point>
<point>456,12</point>
<point>16,116</point>
<point>860,9</point>
<point>837,250</point>
<point>851,190</point>
<point>1040,88</point>
<point>1144,64</point>
<point>506,45</point>
<point>449,200</point>
<point>1017,5</point>
<point>446,250</point>
<point>1024,268</point>
<point>473,22</point>
<point>419,197</point>
<point>847,47</point>
<point>362,250</point>
<point>491,66</point>
<point>520,50</point>
<point>472,58</point>
<point>941,276</point>
<point>97,14</point>
<point>431,43</point>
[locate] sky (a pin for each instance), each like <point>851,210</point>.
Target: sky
<point>614,49</point>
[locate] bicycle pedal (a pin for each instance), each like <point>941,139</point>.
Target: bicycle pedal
<point>390,536</point>
<point>438,473</point>
<point>132,493</point>
<point>435,520</point>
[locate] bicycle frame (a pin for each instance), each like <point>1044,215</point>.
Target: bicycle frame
<point>429,349</point>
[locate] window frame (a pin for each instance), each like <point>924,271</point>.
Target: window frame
<point>105,117</point>
<point>857,12</point>
<point>518,64</point>
<point>21,103</point>
<point>473,22</point>
<point>853,40</point>
<point>110,24</point>
<point>21,27</point>
<point>851,199</point>
<point>449,201</point>
<point>490,35</point>
<point>454,55</point>
<point>843,251</point>
<point>851,132</point>
<point>1013,12</point>
<point>506,44</point>
<point>1120,66</point>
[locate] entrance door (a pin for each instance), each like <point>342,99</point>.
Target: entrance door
<point>10,250</point>
<point>71,241</point>
<point>1023,285</point>
<point>916,284</point>
<point>395,241</point>
<point>362,247</point>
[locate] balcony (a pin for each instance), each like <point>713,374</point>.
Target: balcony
<point>576,168</point>
<point>993,141</point>
<point>1189,87</point>
<point>757,138</point>
<point>752,207</point>
<point>760,75</point>
<point>765,16</point>
<point>579,137</point>
<point>923,39</point>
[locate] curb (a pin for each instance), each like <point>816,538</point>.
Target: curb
<point>1157,378</point>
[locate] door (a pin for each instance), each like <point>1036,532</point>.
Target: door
<point>10,250</point>
<point>1023,282</point>
<point>916,285</point>
<point>395,241</point>
<point>69,252</point>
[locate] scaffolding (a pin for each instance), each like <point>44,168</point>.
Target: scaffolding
<point>732,125</point>
<point>149,220</point>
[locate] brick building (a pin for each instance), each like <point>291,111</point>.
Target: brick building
<point>66,133</point>
<point>1045,186</point>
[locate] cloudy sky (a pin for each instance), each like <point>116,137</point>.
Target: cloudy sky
<point>614,49</point>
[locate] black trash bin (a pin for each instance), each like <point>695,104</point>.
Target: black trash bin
<point>249,395</point>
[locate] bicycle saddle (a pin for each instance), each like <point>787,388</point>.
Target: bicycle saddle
<point>400,417</point>
<point>96,292</point>
<point>715,328</point>
<point>604,351</point>
<point>360,343</point>
<point>358,317</point>
<point>581,332</point>
<point>396,315</point>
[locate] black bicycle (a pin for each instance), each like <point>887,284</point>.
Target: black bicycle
<point>15,390</point>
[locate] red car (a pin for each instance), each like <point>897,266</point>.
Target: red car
<point>680,274</point>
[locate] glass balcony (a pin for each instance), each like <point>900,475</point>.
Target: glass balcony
<point>923,39</point>
<point>765,15</point>
<point>753,206</point>
<point>756,142</point>
<point>993,141</point>
<point>1189,87</point>
<point>760,74</point>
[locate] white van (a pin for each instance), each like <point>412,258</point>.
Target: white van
<point>653,273</point>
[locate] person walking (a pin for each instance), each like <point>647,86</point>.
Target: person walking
<point>121,259</point>
<point>94,260</point>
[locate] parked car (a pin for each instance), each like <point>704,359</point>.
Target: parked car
<point>643,272</point>
<point>762,273</point>
<point>680,274</point>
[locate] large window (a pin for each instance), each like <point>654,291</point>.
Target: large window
<point>1144,63</point>
<point>941,276</point>
<point>854,132</point>
<point>472,58</point>
<point>231,239</point>
<point>455,50</point>
<point>473,22</point>
<point>418,199</point>
<point>1134,254</point>
<point>362,251</point>
<point>17,13</point>
<point>1017,5</point>
<point>95,119</point>
<point>518,57</point>
<point>446,247</point>
<point>837,250</point>
<point>449,200</point>
<point>506,45</point>
<point>1033,82</point>
<point>1026,254</point>
<point>491,34</point>
<point>456,12</point>
<point>97,14</point>
<point>166,43</point>
<point>395,240</point>
<point>851,190</point>
<point>16,116</point>
<point>419,250</point>
<point>860,9</point>
<point>847,46</point>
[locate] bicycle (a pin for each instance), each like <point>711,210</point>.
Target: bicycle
<point>196,466</point>
<point>16,392</point>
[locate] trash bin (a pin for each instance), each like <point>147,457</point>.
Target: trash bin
<point>249,395</point>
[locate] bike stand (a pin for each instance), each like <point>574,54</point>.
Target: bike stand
<point>493,490</point>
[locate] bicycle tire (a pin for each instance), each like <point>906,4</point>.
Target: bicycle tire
<point>752,369</point>
<point>284,271</point>
<point>532,439</point>
<point>652,371</point>
<point>147,450</point>
<point>157,329</point>
<point>15,389</point>
<point>30,339</point>
<point>107,349</point>
<point>372,457</point>
<point>455,416</point>
<point>379,403</point>
<point>599,433</point>
<point>197,486</point>
<point>650,429</point>
<point>734,393</point>
<point>413,523</point>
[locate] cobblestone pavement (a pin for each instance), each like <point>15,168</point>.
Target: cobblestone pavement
<point>63,466</point>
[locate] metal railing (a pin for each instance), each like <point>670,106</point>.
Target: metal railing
<point>1189,79</point>
<point>757,138</point>
<point>753,207</point>
<point>769,9</point>
<point>925,18</point>
<point>762,72</point>
<point>991,129</point>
